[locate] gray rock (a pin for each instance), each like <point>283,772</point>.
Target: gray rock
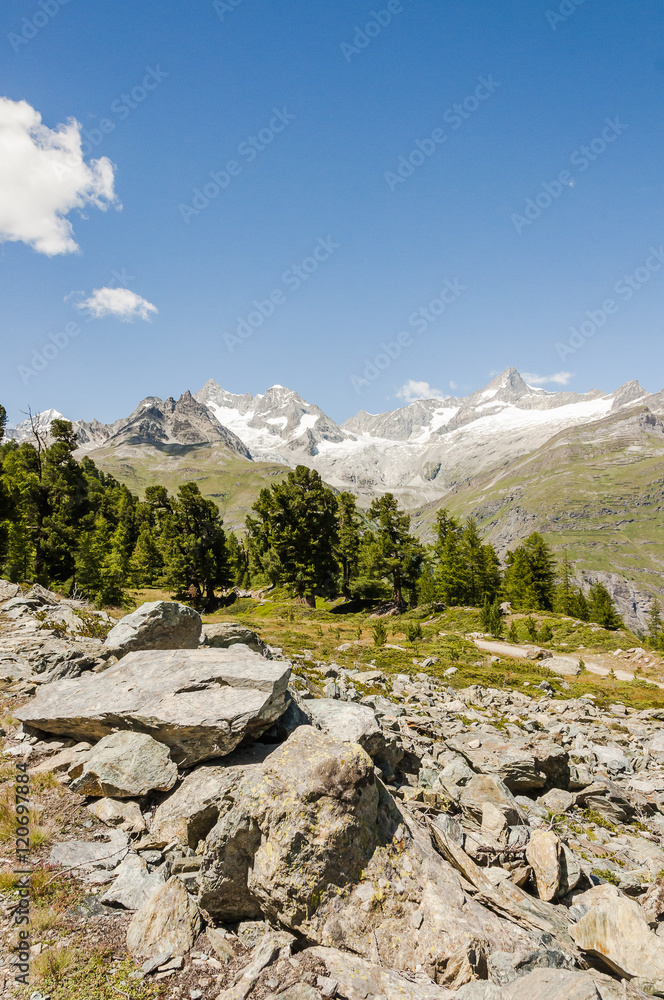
<point>156,625</point>
<point>359,979</point>
<point>90,854</point>
<point>199,702</point>
<point>190,812</point>
<point>506,967</point>
<point>483,788</point>
<point>125,815</point>
<point>8,590</point>
<point>543,854</point>
<point>615,930</point>
<point>124,765</point>
<point>557,800</point>
<point>352,723</point>
<point>133,885</point>
<point>552,984</point>
<point>168,923</point>
<point>307,819</point>
<point>222,635</point>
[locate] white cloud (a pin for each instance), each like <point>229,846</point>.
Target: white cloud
<point>43,177</point>
<point>560,378</point>
<point>453,385</point>
<point>413,390</point>
<point>120,302</point>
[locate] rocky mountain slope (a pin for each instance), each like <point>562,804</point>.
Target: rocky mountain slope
<point>316,832</point>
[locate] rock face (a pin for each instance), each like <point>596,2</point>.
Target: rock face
<point>200,702</point>
<point>156,625</point>
<point>309,819</point>
<point>167,924</point>
<point>124,765</point>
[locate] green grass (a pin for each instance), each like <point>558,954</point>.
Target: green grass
<point>231,481</point>
<point>297,628</point>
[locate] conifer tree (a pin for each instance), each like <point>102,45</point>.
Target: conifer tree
<point>601,608</point>
<point>296,526</point>
<point>655,628</point>
<point>348,547</point>
<point>395,553</point>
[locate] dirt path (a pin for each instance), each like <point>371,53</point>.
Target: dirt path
<point>593,664</point>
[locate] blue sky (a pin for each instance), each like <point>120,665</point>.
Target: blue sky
<point>334,115</point>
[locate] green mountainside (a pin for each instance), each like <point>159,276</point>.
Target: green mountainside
<point>596,491</point>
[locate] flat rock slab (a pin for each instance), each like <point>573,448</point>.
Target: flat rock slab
<point>358,979</point>
<point>124,765</point>
<point>551,984</point>
<point>199,702</point>
<point>90,853</point>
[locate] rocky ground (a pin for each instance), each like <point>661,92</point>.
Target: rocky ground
<point>208,819</point>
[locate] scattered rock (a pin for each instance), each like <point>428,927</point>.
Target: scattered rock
<point>90,854</point>
<point>223,635</point>
<point>615,930</point>
<point>133,885</point>
<point>359,979</point>
<point>483,788</point>
<point>126,815</point>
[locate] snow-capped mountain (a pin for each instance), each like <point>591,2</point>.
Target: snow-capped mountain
<point>277,425</point>
<point>419,451</point>
<point>42,423</point>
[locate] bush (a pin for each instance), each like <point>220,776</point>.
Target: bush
<point>379,634</point>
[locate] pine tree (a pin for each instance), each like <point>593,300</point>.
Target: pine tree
<point>518,583</point>
<point>348,547</point>
<point>543,569</point>
<point>296,530</point>
<point>395,554</point>
<point>447,558</point>
<point>146,563</point>
<point>655,629</point>
<point>563,601</point>
<point>601,608</point>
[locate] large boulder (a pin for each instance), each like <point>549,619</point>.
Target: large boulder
<point>312,840</point>
<point>199,702</point>
<point>124,765</point>
<point>156,625</point>
<point>308,820</point>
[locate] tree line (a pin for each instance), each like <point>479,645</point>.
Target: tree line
<point>66,523</point>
